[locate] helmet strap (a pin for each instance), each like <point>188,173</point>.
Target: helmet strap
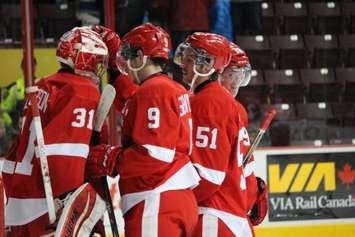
<point>137,68</point>
<point>192,83</point>
<point>199,74</point>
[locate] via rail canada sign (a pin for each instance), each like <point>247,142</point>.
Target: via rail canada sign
<point>311,186</point>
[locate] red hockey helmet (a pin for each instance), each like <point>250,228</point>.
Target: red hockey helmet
<point>84,51</point>
<point>151,39</point>
<point>209,48</point>
<point>239,65</point>
<point>239,57</point>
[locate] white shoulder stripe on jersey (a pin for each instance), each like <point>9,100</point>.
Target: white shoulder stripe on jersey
<point>67,149</point>
<point>249,169</point>
<point>160,153</point>
<point>212,175</point>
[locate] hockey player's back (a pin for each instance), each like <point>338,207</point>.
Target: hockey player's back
<point>220,115</point>
<point>154,119</point>
<point>67,101</point>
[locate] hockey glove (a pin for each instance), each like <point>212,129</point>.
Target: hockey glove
<point>112,41</point>
<point>101,161</point>
<point>259,210</point>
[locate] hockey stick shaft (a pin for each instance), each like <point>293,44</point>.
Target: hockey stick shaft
<point>106,100</point>
<point>109,206</point>
<point>32,92</point>
<point>265,124</point>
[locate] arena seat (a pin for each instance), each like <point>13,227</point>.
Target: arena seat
<point>290,51</point>
<point>346,76</point>
<point>258,49</point>
<point>324,50</point>
<point>293,17</point>
<point>268,19</point>
<point>285,86</point>
<point>326,17</point>
<point>321,85</point>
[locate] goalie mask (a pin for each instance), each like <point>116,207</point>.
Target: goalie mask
<point>206,53</point>
<point>84,51</point>
<point>238,72</point>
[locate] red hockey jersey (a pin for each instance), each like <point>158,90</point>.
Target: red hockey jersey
<point>67,104</point>
<point>220,144</point>
<point>156,139</point>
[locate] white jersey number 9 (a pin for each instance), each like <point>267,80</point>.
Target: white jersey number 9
<point>153,117</point>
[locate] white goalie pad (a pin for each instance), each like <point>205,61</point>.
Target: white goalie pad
<point>80,214</point>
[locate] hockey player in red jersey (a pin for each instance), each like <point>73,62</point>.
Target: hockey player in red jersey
<point>219,137</point>
<point>67,101</point>
<point>156,175</point>
<point>236,75</point>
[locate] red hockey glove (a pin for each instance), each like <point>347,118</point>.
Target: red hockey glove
<point>101,161</point>
<point>112,41</point>
<point>259,210</point>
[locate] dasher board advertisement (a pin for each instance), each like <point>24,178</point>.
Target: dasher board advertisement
<point>314,186</point>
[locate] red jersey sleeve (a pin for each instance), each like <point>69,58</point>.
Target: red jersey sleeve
<point>125,88</point>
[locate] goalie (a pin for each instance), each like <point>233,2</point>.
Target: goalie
<point>67,101</point>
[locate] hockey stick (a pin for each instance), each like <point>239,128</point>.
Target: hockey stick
<point>271,112</point>
<point>32,92</point>
<point>106,100</point>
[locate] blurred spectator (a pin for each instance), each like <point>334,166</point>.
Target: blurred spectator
<point>185,17</point>
<point>221,19</point>
<point>246,17</point>
<point>129,14</point>
<point>12,104</point>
